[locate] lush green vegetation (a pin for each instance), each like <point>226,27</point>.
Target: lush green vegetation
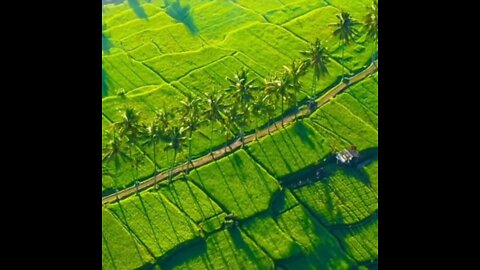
<point>239,184</point>
<point>160,226</point>
<point>120,249</point>
<point>183,78</point>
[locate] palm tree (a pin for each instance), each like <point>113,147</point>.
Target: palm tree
<point>190,113</point>
<point>294,72</point>
<point>115,151</point>
<point>318,57</point>
<point>176,143</point>
<point>278,87</point>
<point>345,31</point>
<point>130,127</point>
<point>214,107</point>
<point>371,23</point>
<point>241,89</point>
<point>164,118</point>
<point>152,135</point>
<point>235,117</point>
<point>260,108</point>
<point>136,162</point>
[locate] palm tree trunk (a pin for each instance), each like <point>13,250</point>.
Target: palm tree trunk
<point>256,127</point>
<point>173,164</point>
<point>282,111</point>
<point>314,83</point>
<point>296,104</point>
<point>211,135</point>
<point>343,61</point>
<point>154,163</point>
<point>189,149</point>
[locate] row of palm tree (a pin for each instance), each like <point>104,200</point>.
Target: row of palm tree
<point>233,109</point>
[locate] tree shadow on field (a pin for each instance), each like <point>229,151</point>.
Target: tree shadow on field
<point>184,255</point>
<point>149,221</point>
<point>181,14</point>
<point>106,44</point>
<point>242,177</point>
<point>138,9</point>
<point>225,181</point>
<point>240,243</point>
<point>124,220</point>
<point>108,250</point>
<point>104,83</point>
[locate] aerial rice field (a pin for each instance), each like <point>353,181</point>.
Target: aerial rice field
<point>281,201</point>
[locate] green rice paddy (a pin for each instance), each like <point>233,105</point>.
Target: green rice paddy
<point>160,51</point>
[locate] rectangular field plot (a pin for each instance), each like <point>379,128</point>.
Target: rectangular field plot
<point>120,250</point>
<point>173,66</point>
<point>192,200</point>
<point>237,183</point>
<point>336,119</point>
<point>267,234</point>
<point>345,197</point>
<point>268,45</point>
<point>366,93</point>
<point>213,76</point>
<point>321,249</point>
<point>168,39</point>
<point>226,249</point>
<point>361,240</point>
<point>122,72</point>
<point>115,15</point>
<point>292,10</point>
<point>159,225</point>
<point>216,19</point>
<point>290,150</point>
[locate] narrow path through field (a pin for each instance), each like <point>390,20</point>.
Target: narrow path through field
<point>288,119</point>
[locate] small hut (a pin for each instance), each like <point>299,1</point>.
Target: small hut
<point>347,155</point>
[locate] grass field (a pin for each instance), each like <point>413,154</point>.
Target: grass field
<point>154,54</point>
<point>239,184</point>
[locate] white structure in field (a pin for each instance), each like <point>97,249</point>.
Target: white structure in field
<point>347,155</point>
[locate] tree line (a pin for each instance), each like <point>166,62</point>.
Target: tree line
<point>234,108</point>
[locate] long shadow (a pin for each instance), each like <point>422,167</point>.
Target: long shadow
<point>138,9</point>
<point>228,186</point>
<point>240,243</point>
<point>295,148</point>
<point>127,225</point>
<point>259,171</point>
<point>109,251</point>
<point>149,222</point>
<point>181,14</point>
<point>183,255</point>
<point>259,143</point>
<point>305,133</point>
<point>104,83</point>
<point>217,246</point>
<point>106,44</point>
<point>203,189</point>
<point>241,177</point>
<point>287,164</point>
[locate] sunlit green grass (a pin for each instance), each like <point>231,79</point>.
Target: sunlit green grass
<point>154,220</point>
<point>345,197</point>
<point>290,149</point>
<point>226,249</point>
<point>120,250</point>
<point>266,233</point>
<point>361,240</point>
<point>238,184</point>
<point>321,249</point>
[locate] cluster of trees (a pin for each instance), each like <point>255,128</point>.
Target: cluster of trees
<point>233,108</point>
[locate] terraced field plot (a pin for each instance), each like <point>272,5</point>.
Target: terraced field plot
<point>158,52</point>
